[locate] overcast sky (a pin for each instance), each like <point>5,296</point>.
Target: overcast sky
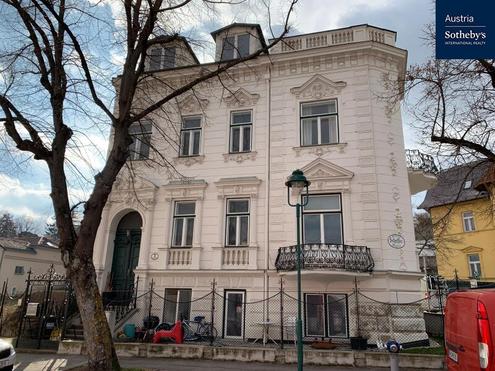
<point>24,190</point>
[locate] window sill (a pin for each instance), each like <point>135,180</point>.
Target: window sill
<point>179,248</point>
<point>189,160</point>
<point>239,247</point>
<point>320,149</point>
<point>239,157</point>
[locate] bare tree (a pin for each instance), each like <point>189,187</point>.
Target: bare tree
<point>25,225</point>
<point>50,63</point>
<point>423,230</point>
<point>452,103</point>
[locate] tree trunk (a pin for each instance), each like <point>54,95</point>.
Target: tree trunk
<point>99,344</point>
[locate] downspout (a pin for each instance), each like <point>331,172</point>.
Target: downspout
<point>267,191</point>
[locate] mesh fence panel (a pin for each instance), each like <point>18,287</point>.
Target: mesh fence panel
<point>245,318</point>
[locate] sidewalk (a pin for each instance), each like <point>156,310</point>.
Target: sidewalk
<point>48,362</point>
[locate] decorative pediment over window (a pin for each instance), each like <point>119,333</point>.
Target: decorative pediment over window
<point>327,176</point>
<point>472,250</point>
<point>318,87</point>
<point>241,98</point>
<point>242,186</point>
<point>192,104</point>
<point>185,188</point>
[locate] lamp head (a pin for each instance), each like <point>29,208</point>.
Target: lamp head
<point>297,180</point>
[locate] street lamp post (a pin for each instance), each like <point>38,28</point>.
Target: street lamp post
<point>298,182</point>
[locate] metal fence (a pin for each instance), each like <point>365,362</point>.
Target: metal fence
<point>9,311</point>
<point>227,318</point>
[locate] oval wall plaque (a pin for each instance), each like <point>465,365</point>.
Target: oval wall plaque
<point>396,241</point>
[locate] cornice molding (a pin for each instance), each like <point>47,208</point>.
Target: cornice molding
<point>189,160</point>
<point>187,188</point>
<point>242,186</point>
<point>241,98</point>
<point>137,192</point>
<point>326,176</point>
<point>318,87</point>
<point>191,104</point>
<point>320,150</point>
<point>240,157</point>
<point>472,249</point>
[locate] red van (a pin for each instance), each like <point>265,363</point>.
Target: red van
<point>470,330</point>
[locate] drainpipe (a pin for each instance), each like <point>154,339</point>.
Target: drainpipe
<point>266,290</point>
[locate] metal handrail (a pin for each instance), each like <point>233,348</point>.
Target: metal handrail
<point>326,256</point>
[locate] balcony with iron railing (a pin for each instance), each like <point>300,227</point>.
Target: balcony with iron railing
<point>340,36</point>
<point>326,257</point>
<point>421,170</point>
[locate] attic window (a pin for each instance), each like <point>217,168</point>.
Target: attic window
<point>160,58</point>
<point>235,47</point>
<point>468,184</point>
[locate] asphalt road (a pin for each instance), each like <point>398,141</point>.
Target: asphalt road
<point>45,362</point>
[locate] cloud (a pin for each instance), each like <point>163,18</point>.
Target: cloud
<point>28,192</point>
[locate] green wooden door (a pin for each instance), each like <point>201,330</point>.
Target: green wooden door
<point>125,259</point>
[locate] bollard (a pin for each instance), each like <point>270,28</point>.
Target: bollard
<point>394,348</point>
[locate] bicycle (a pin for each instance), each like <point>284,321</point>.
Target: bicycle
<point>203,330</point>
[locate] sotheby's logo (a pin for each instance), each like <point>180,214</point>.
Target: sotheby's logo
<point>464,29</point>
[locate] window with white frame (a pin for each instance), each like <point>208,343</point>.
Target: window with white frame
<point>322,219</point>
<point>236,46</point>
<point>474,265</point>
<point>183,225</point>
<point>19,269</point>
<point>326,315</point>
<point>319,123</point>
<point>190,136</point>
<point>161,58</point>
<point>141,135</point>
<point>177,305</point>
<point>468,184</point>
<point>468,221</point>
<point>241,124</point>
<point>237,222</point>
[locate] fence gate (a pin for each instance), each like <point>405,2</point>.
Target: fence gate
<point>43,310</point>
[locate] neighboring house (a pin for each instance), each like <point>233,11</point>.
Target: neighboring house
<point>19,255</point>
<point>461,208</point>
<point>311,104</point>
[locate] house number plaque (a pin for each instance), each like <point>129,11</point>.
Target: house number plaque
<point>396,241</point>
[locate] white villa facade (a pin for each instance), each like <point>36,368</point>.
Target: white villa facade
<point>222,214</point>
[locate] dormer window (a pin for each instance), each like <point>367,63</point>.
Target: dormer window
<point>235,47</point>
<point>161,57</point>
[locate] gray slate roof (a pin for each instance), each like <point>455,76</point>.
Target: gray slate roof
<point>27,245</point>
<point>450,185</point>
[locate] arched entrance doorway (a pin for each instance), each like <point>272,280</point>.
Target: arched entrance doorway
<point>126,252</point>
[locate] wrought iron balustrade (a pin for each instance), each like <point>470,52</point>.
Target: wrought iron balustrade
<point>420,161</point>
<point>326,256</point>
